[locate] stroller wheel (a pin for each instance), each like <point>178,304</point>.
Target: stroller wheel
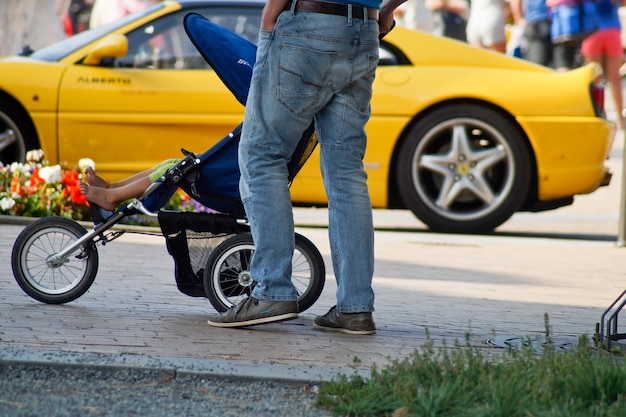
<point>44,277</point>
<point>227,278</point>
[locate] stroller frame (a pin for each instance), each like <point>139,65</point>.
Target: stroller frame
<point>55,259</point>
<point>225,279</point>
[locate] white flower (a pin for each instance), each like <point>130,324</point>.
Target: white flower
<point>51,174</point>
<point>86,162</point>
<point>18,167</point>
<point>35,155</point>
<point>6,203</point>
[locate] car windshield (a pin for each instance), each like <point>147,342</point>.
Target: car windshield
<point>60,49</point>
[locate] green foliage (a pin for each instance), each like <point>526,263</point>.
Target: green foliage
<point>462,382</point>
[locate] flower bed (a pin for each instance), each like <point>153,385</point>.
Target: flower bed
<point>37,189</point>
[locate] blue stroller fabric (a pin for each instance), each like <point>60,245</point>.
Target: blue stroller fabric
<point>230,55</point>
<point>215,184</point>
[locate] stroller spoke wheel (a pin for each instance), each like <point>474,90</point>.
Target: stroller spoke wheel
<point>41,273</point>
<point>227,278</point>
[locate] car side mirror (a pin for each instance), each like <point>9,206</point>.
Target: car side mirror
<point>112,46</point>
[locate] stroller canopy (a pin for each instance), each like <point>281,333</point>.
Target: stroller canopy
<point>230,55</point>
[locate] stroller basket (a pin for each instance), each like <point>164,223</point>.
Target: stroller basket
<point>190,239</point>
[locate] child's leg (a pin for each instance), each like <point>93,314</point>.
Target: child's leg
<point>110,198</point>
<point>96,180</point>
<point>109,195</point>
<point>140,176</point>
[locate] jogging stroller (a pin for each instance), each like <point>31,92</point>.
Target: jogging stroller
<point>55,259</point>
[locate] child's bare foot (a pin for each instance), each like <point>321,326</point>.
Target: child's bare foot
<point>97,195</point>
<point>94,179</point>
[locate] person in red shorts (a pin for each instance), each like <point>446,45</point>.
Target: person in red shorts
<point>605,48</point>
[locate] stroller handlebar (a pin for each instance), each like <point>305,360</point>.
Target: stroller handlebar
<point>184,167</point>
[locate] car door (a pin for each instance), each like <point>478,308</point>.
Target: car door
<point>132,112</point>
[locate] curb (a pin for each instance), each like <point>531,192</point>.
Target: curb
<point>174,365</point>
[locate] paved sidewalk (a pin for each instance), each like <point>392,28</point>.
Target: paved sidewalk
<point>562,263</point>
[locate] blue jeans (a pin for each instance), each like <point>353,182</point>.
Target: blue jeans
<point>317,67</point>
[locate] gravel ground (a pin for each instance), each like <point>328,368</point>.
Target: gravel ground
<point>78,391</point>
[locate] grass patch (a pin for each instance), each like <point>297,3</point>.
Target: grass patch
<point>461,381</point>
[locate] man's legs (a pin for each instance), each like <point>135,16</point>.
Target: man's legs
<point>341,133</point>
<point>279,108</point>
<point>269,137</point>
<point>350,228</point>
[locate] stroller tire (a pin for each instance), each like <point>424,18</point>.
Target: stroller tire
<point>53,282</point>
<point>227,279</point>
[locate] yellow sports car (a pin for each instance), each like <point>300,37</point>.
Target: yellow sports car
<point>462,137</point>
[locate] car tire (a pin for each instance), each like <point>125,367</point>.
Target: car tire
<point>17,134</point>
<point>464,168</point>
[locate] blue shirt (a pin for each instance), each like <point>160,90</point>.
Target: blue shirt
<point>607,14</point>
<point>370,4</point>
<point>535,10</point>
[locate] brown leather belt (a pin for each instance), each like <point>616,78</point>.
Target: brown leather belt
<point>333,8</point>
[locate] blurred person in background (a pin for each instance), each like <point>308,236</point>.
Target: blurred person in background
<point>413,14</point>
<point>486,25</point>
<point>604,47</point>
<point>565,55</point>
<point>107,11</point>
<point>622,20</point>
<point>76,19</point>
<point>533,16</point>
<point>450,17</point>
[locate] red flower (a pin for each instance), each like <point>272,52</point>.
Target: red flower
<point>35,179</point>
<point>70,188</point>
<point>77,197</point>
<point>70,178</point>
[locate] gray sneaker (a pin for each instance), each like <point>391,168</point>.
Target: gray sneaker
<point>351,323</point>
<point>253,311</point>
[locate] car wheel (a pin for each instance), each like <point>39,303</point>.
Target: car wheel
<point>464,169</point>
<point>17,134</point>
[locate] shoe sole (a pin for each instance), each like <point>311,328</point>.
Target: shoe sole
<point>343,330</point>
<point>253,322</point>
